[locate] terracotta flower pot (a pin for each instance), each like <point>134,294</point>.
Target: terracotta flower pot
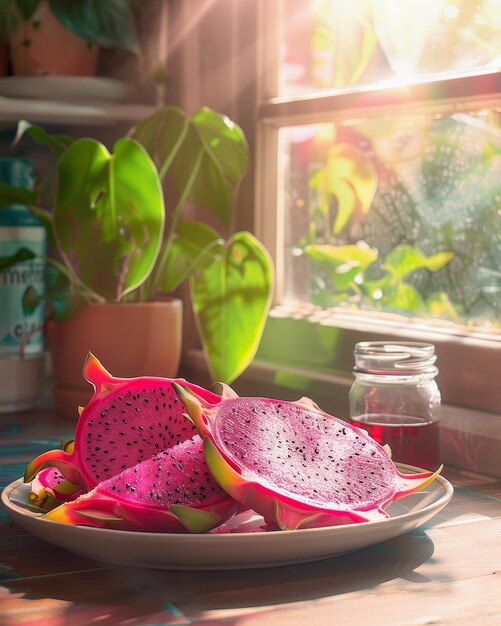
<point>43,46</point>
<point>130,339</point>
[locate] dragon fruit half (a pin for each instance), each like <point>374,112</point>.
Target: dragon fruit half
<point>294,464</point>
<point>170,492</point>
<point>126,421</point>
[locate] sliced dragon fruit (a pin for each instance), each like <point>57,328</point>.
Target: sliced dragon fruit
<point>295,464</point>
<point>49,488</point>
<point>170,492</point>
<point>126,421</point>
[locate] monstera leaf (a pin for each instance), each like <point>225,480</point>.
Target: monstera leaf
<point>109,215</point>
<point>202,157</point>
<point>191,244</point>
<point>230,295</point>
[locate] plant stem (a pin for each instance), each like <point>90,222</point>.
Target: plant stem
<point>172,155</point>
<point>147,290</point>
<point>176,216</point>
<point>77,284</point>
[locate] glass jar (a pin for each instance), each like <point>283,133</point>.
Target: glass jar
<point>22,295</point>
<point>395,398</point>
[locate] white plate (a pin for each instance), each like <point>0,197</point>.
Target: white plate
<point>239,550</point>
<point>82,89</point>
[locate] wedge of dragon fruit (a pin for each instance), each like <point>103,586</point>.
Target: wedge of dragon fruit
<point>126,421</point>
<point>172,491</point>
<point>295,464</point>
<point>49,488</point>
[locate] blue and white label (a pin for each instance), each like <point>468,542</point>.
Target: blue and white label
<point>22,290</point>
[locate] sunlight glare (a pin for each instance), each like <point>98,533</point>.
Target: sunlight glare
<point>451,12</point>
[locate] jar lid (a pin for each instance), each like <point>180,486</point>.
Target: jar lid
<point>382,357</point>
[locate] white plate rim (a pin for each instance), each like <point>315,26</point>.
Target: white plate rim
<point>431,509</point>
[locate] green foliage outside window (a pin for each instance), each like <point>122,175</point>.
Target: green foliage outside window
<point>404,217</point>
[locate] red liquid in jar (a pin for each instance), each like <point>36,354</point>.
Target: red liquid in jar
<point>412,439</point>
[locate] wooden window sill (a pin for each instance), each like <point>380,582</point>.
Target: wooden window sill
<point>470,439</point>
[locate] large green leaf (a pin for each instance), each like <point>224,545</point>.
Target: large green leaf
<point>109,215</point>
<point>224,144</point>
<point>110,23</point>
<point>405,259</point>
<point>379,289</point>
<point>406,298</point>
<point>189,248</point>
<point>352,179</point>
<point>162,134</point>
<point>207,144</point>
<point>345,262</point>
<point>359,255</point>
<point>231,297</point>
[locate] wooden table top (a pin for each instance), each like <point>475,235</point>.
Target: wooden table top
<point>445,572</point>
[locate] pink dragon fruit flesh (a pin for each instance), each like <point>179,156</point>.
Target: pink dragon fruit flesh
<point>126,421</point>
<point>294,464</point>
<point>49,488</point>
<point>171,491</point>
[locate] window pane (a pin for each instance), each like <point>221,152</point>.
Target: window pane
<point>335,43</point>
<point>399,214</point>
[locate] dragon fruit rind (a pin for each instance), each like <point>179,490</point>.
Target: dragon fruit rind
<point>171,491</point>
<point>126,421</point>
<point>49,488</point>
<point>295,464</point>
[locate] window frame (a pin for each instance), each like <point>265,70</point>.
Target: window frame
<point>468,359</point>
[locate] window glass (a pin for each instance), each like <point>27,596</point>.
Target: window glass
<point>399,214</point>
<point>335,43</point>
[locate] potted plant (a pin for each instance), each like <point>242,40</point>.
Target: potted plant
<point>119,254</point>
<point>58,37</point>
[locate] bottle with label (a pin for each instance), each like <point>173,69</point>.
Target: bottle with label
<point>395,398</point>
<point>22,295</point>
